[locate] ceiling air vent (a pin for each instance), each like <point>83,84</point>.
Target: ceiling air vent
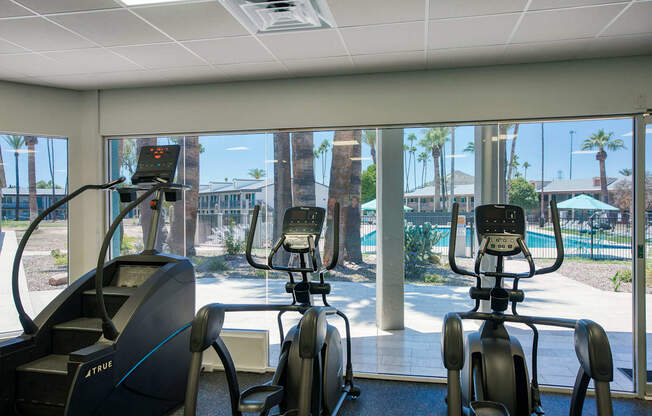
<point>261,16</point>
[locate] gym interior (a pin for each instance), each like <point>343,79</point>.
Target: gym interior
<point>321,207</point>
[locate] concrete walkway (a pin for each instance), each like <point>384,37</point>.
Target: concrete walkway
<point>416,349</point>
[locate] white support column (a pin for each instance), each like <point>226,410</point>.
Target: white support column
<point>389,249</point>
<point>638,256</point>
<point>87,221</point>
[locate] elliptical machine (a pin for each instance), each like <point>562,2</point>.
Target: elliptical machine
<point>309,379</point>
<point>487,372</point>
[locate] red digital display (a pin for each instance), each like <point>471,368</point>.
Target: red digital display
<point>158,151</point>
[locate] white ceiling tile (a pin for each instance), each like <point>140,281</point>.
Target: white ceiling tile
<point>636,19</point>
<point>619,46</point>
<point>565,23</point>
<point>190,75</point>
<point>162,55</point>
<point>111,28</point>
<point>254,71</point>
<point>60,6</point>
<point>320,66</point>
<point>441,9</point>
<point>471,31</point>
<point>545,51</point>
<point>461,57</point>
<point>32,64</point>
<point>9,9</point>
<point>230,50</point>
<point>91,60</point>
<point>390,61</point>
<point>371,12</point>
<point>38,34</point>
<point>193,20</point>
<point>561,4</point>
<point>6,47</point>
<point>399,37</point>
<point>304,44</point>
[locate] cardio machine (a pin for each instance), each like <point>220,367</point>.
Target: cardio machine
<point>115,340</point>
<point>487,372</point>
<point>309,379</point>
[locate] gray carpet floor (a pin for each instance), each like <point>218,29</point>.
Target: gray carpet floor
<point>381,397</point>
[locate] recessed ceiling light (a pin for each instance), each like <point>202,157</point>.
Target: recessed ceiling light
<point>141,2</point>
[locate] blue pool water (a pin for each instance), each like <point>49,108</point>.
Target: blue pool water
<point>533,240</point>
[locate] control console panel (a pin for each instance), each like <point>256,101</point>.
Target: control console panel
<point>502,226</point>
<point>298,224</point>
<point>156,162</point>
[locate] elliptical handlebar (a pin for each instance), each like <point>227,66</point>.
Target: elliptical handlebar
<point>29,327</point>
<point>250,242</point>
<point>336,237</point>
<point>559,243</point>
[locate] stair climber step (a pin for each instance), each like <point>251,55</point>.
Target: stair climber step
<point>72,335</point>
<point>42,385</point>
<point>114,298</point>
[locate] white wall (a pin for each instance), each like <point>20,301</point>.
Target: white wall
<point>559,89</point>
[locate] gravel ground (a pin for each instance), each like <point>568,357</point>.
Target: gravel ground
<point>40,269</point>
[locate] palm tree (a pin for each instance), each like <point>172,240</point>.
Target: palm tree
<point>31,142</point>
<point>512,156</point>
<point>256,173</point>
<point>625,172</point>
<point>423,157</point>
<point>433,143</point>
<point>321,152</point>
<point>470,148</point>
<point>452,198</point>
<point>16,143</point>
<point>184,212</point>
<point>526,165</point>
<point>600,141</point>
<point>412,150</point>
<point>303,169</point>
<point>50,147</point>
<point>369,138</point>
<point>282,187</point>
<point>406,167</point>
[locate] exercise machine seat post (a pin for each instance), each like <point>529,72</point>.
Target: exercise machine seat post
<point>487,370</point>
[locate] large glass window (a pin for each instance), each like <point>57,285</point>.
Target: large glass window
<point>33,175</point>
<point>229,175</point>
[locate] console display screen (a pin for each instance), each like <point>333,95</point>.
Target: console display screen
<point>156,162</point>
<point>297,214</point>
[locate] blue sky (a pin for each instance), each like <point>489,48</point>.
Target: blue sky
<point>231,156</point>
<point>42,167</point>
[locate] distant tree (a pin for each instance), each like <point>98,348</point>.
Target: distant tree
<point>46,185</point>
<point>320,153</point>
<point>625,172</point>
<point>433,143</point>
<point>369,184</point>
<point>369,137</point>
<point>513,157</point>
<point>423,157</point>
<point>470,148</point>
<point>600,141</point>
<point>257,173</point>
<point>523,194</point>
<point>16,143</point>
<point>129,158</point>
<point>526,165</point>
<point>31,142</point>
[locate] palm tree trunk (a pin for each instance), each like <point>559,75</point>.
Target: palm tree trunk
<point>443,179</point>
<point>373,153</point>
<point>303,169</point>
<point>50,144</point>
<point>338,189</point>
<point>353,248</point>
<point>184,213</point>
<point>31,142</point>
<point>17,187</point>
<point>603,178</point>
<point>511,162</point>
<point>282,188</point>
<point>452,198</point>
<point>435,158</point>
<point>414,169</point>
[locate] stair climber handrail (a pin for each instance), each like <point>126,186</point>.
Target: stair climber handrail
<point>108,327</point>
<point>29,327</point>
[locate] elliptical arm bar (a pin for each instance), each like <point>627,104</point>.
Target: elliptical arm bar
<point>313,257</point>
<point>452,243</point>
<point>481,251</point>
<point>336,237</point>
<point>559,243</point>
<point>250,241</point>
<point>108,328</point>
<point>270,258</point>
<point>528,257</point>
<point>29,327</point>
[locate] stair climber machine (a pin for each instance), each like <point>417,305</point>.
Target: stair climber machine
<point>115,340</point>
<point>309,379</point>
<point>487,372</point>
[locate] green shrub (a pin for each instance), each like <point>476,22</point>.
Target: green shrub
<point>621,276</point>
<point>130,244</point>
<point>216,264</point>
<point>232,243</point>
<point>419,241</point>
<point>261,274</point>
<point>60,259</point>
<point>434,278</point>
